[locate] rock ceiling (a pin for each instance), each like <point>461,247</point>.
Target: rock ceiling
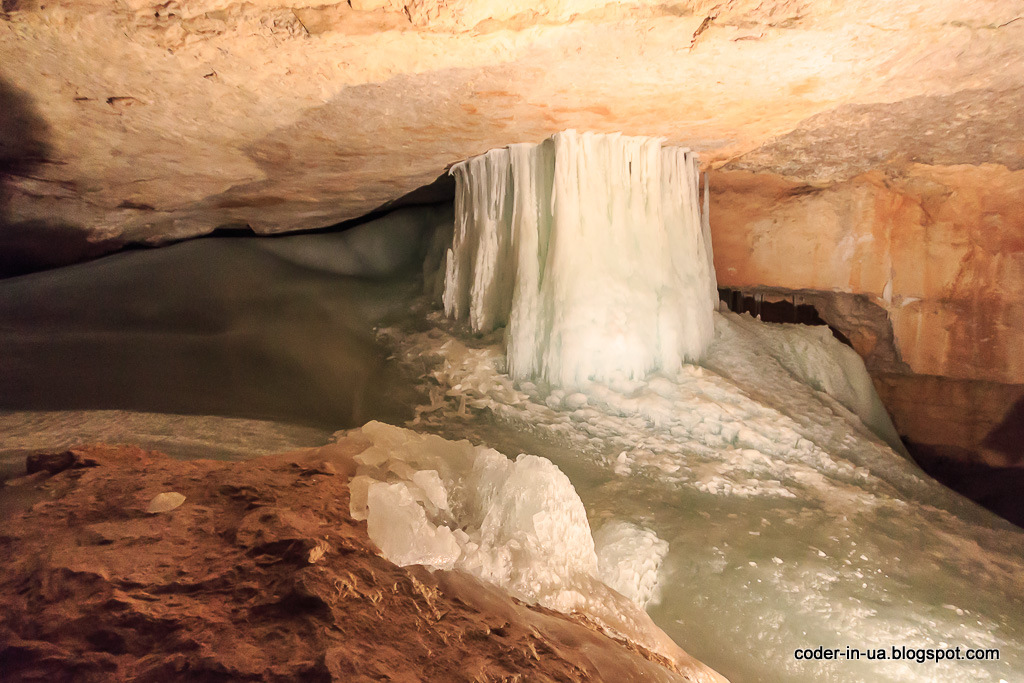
<point>145,122</point>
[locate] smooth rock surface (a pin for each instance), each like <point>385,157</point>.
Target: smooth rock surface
<point>151,121</point>
<point>165,502</point>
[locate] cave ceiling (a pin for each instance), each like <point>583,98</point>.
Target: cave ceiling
<point>146,122</point>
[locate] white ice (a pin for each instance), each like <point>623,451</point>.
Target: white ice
<point>590,250</point>
<point>518,524</point>
<point>629,559</point>
<point>789,522</point>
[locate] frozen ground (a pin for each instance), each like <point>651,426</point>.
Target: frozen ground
<point>790,523</point>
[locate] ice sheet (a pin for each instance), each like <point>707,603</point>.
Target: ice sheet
<point>790,524</point>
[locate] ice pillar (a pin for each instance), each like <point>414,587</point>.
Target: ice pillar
<point>590,249</point>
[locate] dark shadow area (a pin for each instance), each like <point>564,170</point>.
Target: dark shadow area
<point>28,246</point>
<point>33,246</point>
<point>961,469</point>
<point>279,329</point>
<point>776,311</point>
<point>996,488</point>
<point>1008,436</point>
<point>24,137</point>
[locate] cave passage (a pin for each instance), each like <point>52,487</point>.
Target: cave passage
<point>776,310</point>
<point>270,328</point>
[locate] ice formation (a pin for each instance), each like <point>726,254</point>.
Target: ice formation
<point>788,522</point>
<point>379,248</point>
<point>518,524</point>
<point>629,558</point>
<point>591,250</point>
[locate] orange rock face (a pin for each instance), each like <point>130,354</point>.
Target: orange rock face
<point>939,248</point>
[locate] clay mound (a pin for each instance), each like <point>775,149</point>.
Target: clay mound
<point>259,575</point>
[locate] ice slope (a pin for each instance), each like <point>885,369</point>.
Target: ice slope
<point>811,354</point>
<point>789,523</point>
<point>589,249</point>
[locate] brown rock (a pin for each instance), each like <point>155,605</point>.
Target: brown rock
<point>58,462</point>
<point>49,462</point>
<point>236,587</point>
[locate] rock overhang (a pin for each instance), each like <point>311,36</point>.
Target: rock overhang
<point>162,121</point>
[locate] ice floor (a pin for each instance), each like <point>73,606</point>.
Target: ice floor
<point>789,521</point>
<point>255,327</point>
<point>753,503</point>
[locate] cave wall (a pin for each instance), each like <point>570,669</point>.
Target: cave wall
<point>939,249</point>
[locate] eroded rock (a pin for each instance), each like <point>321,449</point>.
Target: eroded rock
<point>239,587</point>
<point>287,115</point>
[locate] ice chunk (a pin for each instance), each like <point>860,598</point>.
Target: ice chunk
<point>591,249</point>
<point>531,518</point>
<point>358,490</point>
<point>430,483</point>
<point>399,527</point>
<point>518,524</point>
<point>628,560</point>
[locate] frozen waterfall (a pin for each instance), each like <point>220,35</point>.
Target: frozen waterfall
<point>750,499</point>
<point>593,252</point>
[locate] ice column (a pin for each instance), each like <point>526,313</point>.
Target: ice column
<point>592,251</point>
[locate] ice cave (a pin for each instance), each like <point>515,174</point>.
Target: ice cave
<point>467,341</point>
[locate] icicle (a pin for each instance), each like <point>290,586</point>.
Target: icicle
<point>705,226</point>
<point>591,249</point>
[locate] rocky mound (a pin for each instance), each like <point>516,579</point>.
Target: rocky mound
<point>259,574</point>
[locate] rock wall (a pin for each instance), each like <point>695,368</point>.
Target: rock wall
<point>939,248</point>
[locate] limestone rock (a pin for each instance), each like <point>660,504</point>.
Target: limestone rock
<point>165,502</point>
<point>150,121</point>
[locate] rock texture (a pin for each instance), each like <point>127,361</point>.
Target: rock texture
<point>938,251</point>
<point>940,248</point>
<point>149,121</point>
<point>260,575</point>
